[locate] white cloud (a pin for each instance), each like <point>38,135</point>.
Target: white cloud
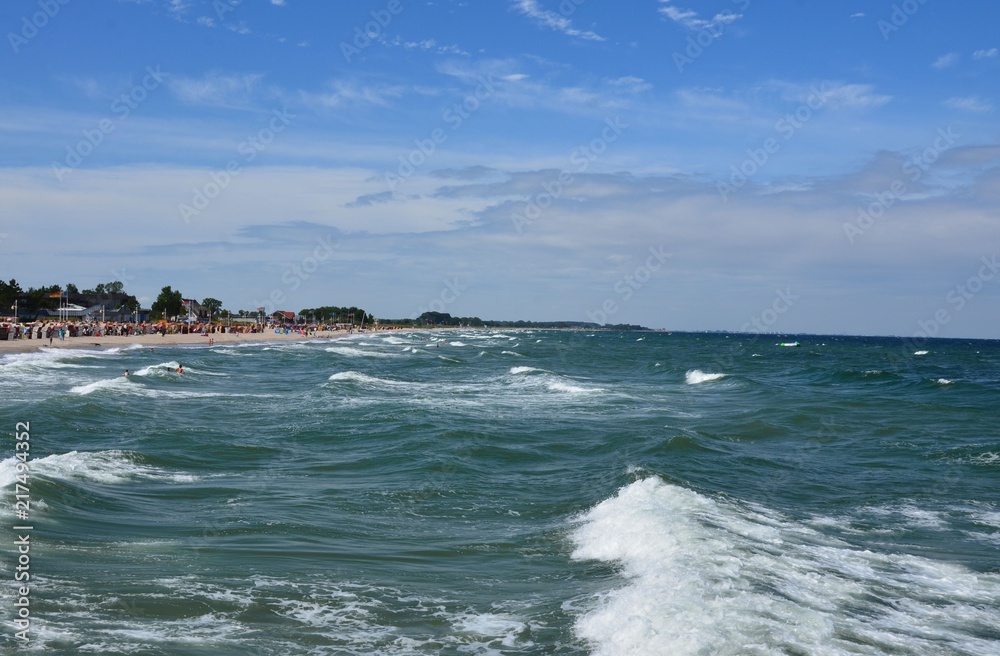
<point>834,95</point>
<point>631,84</point>
<point>278,3</point>
<point>945,61</point>
<point>239,28</point>
<point>969,104</point>
<point>178,6</point>
<point>217,90</point>
<point>986,54</point>
<point>350,92</point>
<point>689,18</point>
<point>430,45</point>
<point>206,21</point>
<point>516,88</point>
<point>554,21</point>
<point>854,96</point>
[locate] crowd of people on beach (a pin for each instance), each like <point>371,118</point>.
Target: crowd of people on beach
<point>52,330</point>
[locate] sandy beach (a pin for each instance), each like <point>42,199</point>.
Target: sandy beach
<point>26,345</point>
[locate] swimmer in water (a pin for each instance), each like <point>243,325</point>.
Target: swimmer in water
<point>126,373</point>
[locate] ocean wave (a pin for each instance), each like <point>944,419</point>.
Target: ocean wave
<point>120,383</point>
<point>696,377</point>
<point>526,370</point>
<point>106,467</point>
<point>708,576</point>
<point>358,377</point>
<point>352,352</point>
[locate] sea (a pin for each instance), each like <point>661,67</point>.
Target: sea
<point>504,492</point>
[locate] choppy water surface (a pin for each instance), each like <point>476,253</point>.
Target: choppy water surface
<point>522,492</point>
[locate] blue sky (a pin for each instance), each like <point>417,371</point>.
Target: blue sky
<point>723,165</point>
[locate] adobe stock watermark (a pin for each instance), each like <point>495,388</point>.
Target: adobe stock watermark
<point>121,107</point>
<point>248,149</point>
<point>914,169</point>
<point>581,159</point>
<point>899,16</point>
<point>224,7</point>
<point>372,30</point>
<point>784,299</point>
<point>450,293</point>
<point>297,273</point>
<point>697,44</point>
<point>626,286</point>
<point>958,297</point>
<point>786,127</point>
<point>31,25</point>
<point>454,117</point>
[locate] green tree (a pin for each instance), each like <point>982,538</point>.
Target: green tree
<point>9,292</point>
<point>71,289</point>
<point>213,305</point>
<point>168,304</point>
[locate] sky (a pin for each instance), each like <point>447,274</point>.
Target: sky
<point>788,167</point>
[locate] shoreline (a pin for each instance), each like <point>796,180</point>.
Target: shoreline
<point>112,341</point>
<point>180,339</point>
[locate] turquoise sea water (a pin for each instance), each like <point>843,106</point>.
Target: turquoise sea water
<point>509,492</point>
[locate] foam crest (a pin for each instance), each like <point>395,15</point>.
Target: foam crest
<point>567,388</point>
<point>697,377</point>
<point>351,352</point>
<point>514,371</point>
<point>705,576</point>
<point>119,383</point>
<point>358,377</point>
<point>161,370</point>
<point>106,467</point>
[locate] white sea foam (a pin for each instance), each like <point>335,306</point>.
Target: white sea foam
<point>107,467</point>
<point>568,388</point>
<point>352,352</point>
<point>163,369</point>
<point>944,381</point>
<point>705,576</point>
<point>987,459</point>
<point>511,353</point>
<point>120,383</point>
<point>921,352</point>
<point>358,377</point>
<point>696,377</point>
<point>457,343</point>
<point>502,628</point>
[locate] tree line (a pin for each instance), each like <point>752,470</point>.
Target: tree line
<point>168,304</point>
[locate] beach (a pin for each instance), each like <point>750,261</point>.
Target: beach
<point>111,341</point>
